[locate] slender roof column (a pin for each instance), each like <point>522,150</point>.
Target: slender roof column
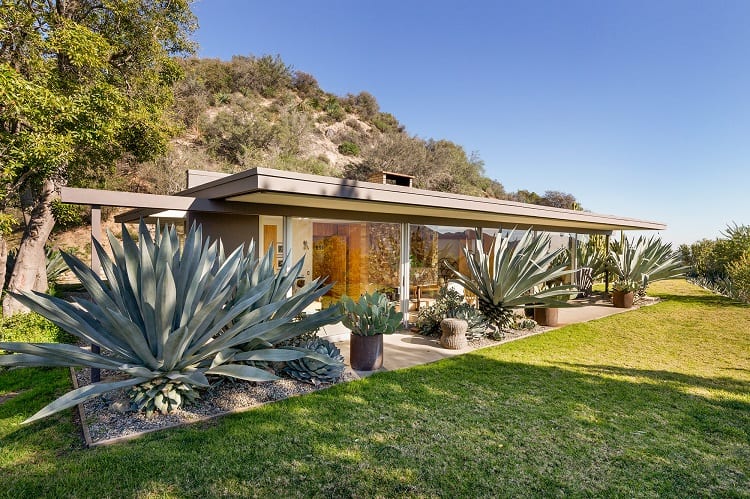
<point>405,271</point>
<point>96,266</point>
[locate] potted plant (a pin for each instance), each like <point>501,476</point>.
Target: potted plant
<point>369,319</point>
<point>637,264</point>
<point>623,293</point>
<point>546,316</point>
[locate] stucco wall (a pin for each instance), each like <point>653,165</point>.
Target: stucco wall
<point>233,230</point>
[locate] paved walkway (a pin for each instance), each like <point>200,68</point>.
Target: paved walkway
<point>405,349</point>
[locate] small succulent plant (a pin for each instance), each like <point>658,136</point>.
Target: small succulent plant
<point>370,315</point>
<point>313,371</point>
<point>525,323</point>
<point>162,395</point>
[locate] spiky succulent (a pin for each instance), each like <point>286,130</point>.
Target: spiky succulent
<point>639,263</point>
<point>162,395</point>
<point>503,278</point>
<point>313,371</point>
<point>370,315</point>
<point>167,317</point>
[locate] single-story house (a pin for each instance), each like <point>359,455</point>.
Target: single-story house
<point>379,235</point>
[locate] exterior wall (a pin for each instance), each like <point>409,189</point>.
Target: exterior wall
<point>234,230</point>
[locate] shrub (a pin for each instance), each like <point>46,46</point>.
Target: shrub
<point>265,75</point>
<point>31,328</point>
<point>333,109</point>
<point>386,122</point>
<point>739,274</point>
<point>234,130</point>
<point>305,84</point>
<point>67,215</point>
<point>364,104</point>
<point>349,149</point>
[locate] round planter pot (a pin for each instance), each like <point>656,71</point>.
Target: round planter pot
<point>453,334</point>
<point>620,299</point>
<point>366,352</point>
<point>546,316</point>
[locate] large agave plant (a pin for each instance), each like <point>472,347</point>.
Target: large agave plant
<point>506,277</point>
<point>165,318</point>
<point>639,263</point>
<point>593,257</point>
<point>294,305</point>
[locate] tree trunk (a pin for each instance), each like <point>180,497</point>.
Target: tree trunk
<point>3,261</point>
<point>29,272</point>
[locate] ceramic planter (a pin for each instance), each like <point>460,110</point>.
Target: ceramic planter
<point>622,299</point>
<point>546,316</point>
<point>366,352</point>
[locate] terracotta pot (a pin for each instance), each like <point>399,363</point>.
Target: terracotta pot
<point>546,316</point>
<point>366,352</point>
<point>621,299</point>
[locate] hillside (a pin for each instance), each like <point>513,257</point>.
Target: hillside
<point>258,111</point>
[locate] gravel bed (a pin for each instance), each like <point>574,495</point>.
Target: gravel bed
<point>110,416</point>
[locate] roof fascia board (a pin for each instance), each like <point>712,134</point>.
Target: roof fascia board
<point>269,180</point>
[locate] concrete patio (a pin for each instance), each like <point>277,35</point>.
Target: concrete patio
<point>406,349</point>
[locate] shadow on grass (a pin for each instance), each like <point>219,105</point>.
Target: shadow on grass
<point>708,300</point>
<point>466,426</point>
<point>725,383</point>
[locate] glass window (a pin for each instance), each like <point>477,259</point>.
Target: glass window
<point>433,248</point>
<point>357,257</point>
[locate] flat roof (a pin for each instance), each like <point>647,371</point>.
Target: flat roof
<point>264,191</point>
<point>299,194</point>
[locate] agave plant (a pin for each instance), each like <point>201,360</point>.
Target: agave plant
<point>506,277</point>
<point>593,257</point>
<point>639,263</point>
<point>370,315</point>
<point>293,310</point>
<point>313,371</point>
<point>165,318</point>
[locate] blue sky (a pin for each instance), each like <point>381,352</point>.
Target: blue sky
<point>638,108</point>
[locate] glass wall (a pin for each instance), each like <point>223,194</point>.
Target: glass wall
<point>433,248</point>
<point>357,257</point>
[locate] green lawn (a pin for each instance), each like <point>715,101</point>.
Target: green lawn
<point>651,402</point>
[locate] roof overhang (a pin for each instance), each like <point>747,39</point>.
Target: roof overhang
<point>263,191</point>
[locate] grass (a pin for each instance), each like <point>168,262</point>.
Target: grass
<point>648,403</point>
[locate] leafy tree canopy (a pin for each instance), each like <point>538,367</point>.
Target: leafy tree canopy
<point>84,82</point>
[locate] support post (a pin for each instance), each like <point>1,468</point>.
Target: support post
<point>96,266</point>
<point>286,229</point>
<point>606,268</point>
<point>405,270</point>
<point>574,259</point>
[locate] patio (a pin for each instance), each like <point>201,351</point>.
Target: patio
<point>406,349</point>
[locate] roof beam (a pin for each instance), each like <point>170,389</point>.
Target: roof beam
<point>150,202</point>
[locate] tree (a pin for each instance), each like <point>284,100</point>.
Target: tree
<point>559,199</point>
<point>525,196</point>
<point>82,83</point>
